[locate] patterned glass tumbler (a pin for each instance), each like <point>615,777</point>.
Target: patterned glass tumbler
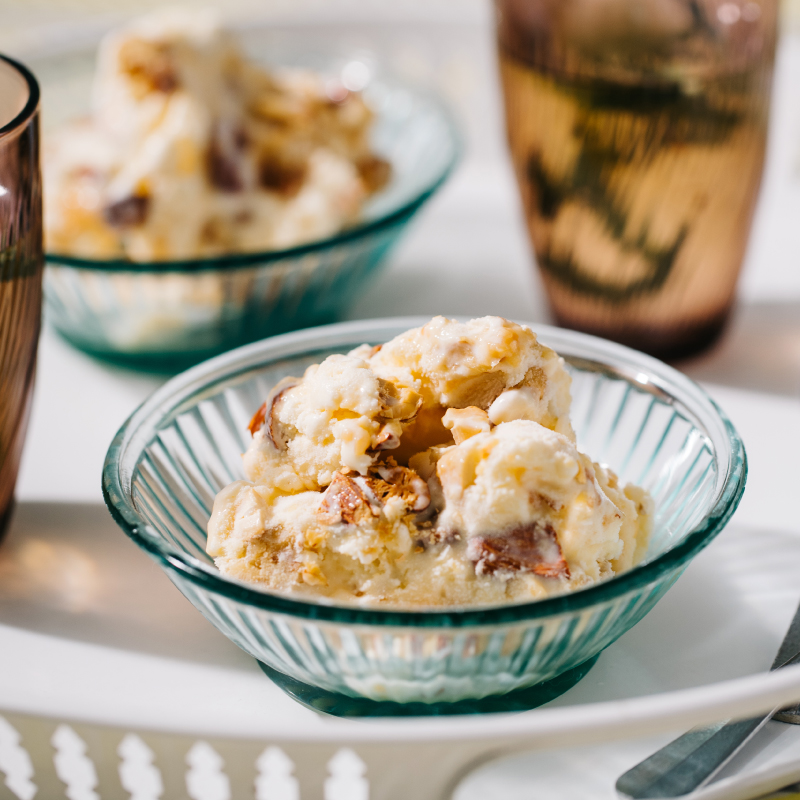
<point>637,130</point>
<point>20,265</point>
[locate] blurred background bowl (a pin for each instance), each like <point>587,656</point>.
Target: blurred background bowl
<point>651,424</point>
<point>168,315</point>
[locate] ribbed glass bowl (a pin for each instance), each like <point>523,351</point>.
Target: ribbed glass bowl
<point>653,425</point>
<point>170,314</point>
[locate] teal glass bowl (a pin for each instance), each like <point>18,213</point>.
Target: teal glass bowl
<point>167,315</point>
<point>652,424</point>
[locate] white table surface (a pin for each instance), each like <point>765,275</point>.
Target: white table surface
<point>467,254</point>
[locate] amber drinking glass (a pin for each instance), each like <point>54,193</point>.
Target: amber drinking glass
<point>637,130</point>
<point>20,265</point>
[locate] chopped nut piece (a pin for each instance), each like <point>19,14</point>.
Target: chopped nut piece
<point>257,421</point>
<point>375,504</point>
<point>466,422</point>
<point>345,501</point>
<point>424,462</point>
<point>127,213</point>
<point>388,438</point>
<point>150,65</point>
<point>265,416</point>
<point>528,548</point>
<point>281,176</point>
<point>426,517</point>
<point>479,390</point>
<point>402,482</point>
<point>398,402</point>
<point>374,171</point>
<point>272,427</point>
<point>223,168</point>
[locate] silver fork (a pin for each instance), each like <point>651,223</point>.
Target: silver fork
<point>693,760</point>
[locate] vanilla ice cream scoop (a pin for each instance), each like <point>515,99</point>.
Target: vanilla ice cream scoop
<point>340,415</point>
<point>525,499</point>
<point>460,364</point>
<point>437,469</point>
<point>192,150</point>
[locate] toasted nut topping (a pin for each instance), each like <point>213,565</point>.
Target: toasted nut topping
<point>402,482</point>
<point>345,501</point>
<point>365,484</point>
<point>223,169</point>
<point>386,441</point>
<point>528,548</point>
<point>466,422</point>
<point>375,172</point>
<point>388,437</point>
<point>397,402</point>
<point>258,419</point>
<point>149,65</point>
<point>265,416</point>
<point>127,213</point>
<point>479,390</point>
<point>281,176</point>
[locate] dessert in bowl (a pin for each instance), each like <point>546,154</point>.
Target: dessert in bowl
<point>648,423</point>
<point>437,469</point>
<point>208,200</point>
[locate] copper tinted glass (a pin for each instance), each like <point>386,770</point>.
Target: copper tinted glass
<point>20,265</point>
<point>637,130</point>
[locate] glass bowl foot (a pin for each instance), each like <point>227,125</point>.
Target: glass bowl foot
<point>341,705</point>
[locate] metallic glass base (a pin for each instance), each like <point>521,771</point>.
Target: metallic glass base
<point>342,705</point>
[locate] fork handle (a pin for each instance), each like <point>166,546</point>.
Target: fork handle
<point>689,761</point>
